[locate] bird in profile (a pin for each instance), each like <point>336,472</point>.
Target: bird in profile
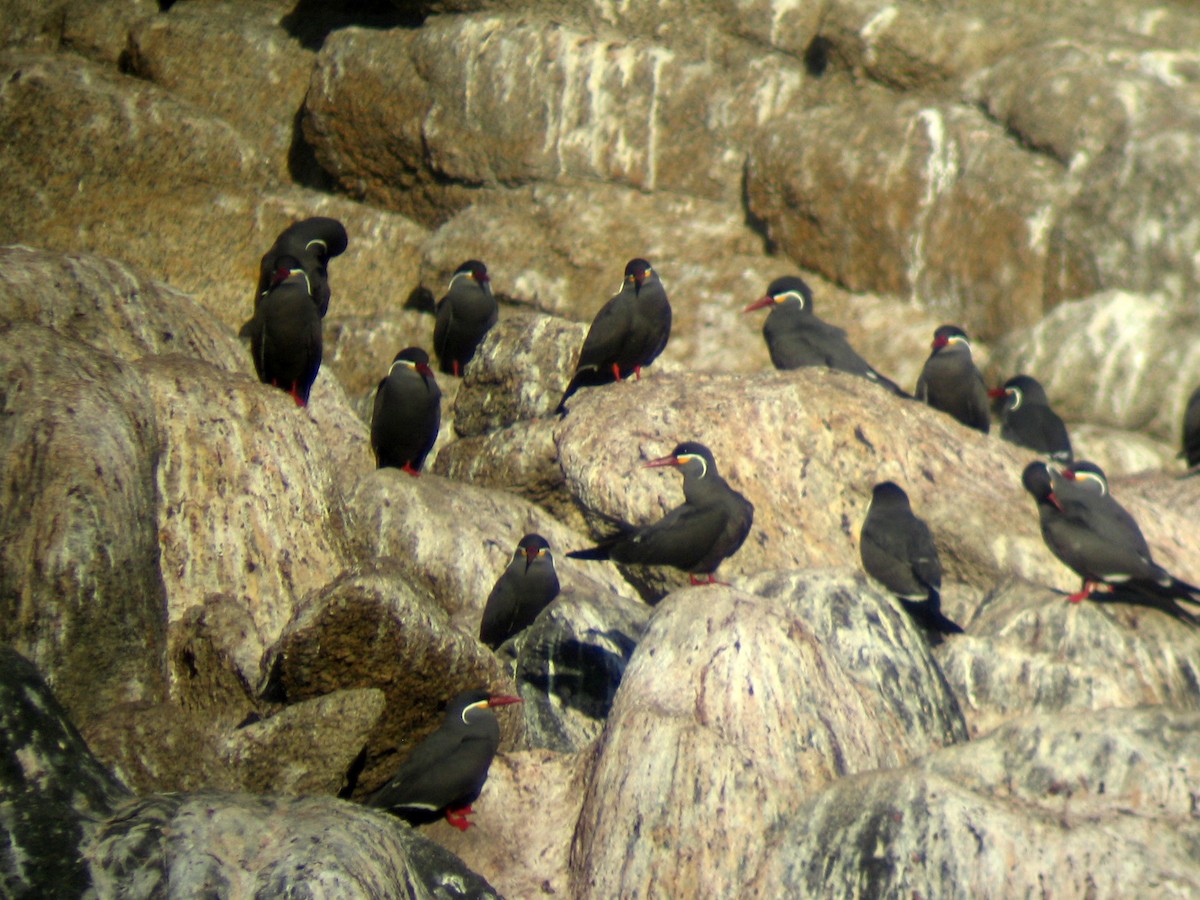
<point>951,383</point>
<point>628,333</point>
<point>285,335</point>
<point>796,337</point>
<point>1099,540</point>
<point>1028,421</point>
<point>309,244</point>
<point>898,551</point>
<point>407,413</point>
<point>444,774</point>
<point>1191,432</point>
<point>464,316</point>
<point>523,590</point>
<point>695,537</point>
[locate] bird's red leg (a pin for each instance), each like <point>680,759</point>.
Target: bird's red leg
<point>455,367</point>
<point>1084,592</point>
<point>295,392</point>
<point>458,817</point>
<point>616,372</point>
<point>637,372</point>
<point>711,579</point>
<point>407,467</point>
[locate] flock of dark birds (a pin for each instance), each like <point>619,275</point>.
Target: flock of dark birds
<point>1081,523</point>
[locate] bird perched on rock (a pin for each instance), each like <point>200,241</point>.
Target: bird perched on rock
<point>950,382</point>
<point>522,591</point>
<point>1095,536</point>
<point>1191,431</point>
<point>444,774</point>
<point>407,413</point>
<point>285,335</point>
<point>464,316</point>
<point>1028,421</point>
<point>697,536</point>
<point>898,551</point>
<point>796,337</point>
<point>628,333</point>
<point>310,244</point>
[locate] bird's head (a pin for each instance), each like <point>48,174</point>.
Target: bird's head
<point>469,704</point>
<point>1088,475</point>
<point>412,358</point>
<point>533,547</point>
<point>950,336</point>
<point>637,271</point>
<point>1037,481</point>
<point>472,270</point>
<point>888,493</point>
<point>789,289</point>
<point>690,457</point>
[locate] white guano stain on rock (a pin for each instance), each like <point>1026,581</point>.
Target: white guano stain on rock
<point>875,25</point>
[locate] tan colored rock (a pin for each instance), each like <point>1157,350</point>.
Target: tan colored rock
<point>735,708</point>
<point>241,64</point>
<point>372,630</point>
<point>99,29</point>
<point>917,198</point>
<point>523,822</point>
<point>211,649</point>
<point>1067,805</point>
<point>453,540</point>
<point>630,112</point>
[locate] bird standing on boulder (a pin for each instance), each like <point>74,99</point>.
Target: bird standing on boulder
<point>310,244</point>
<point>407,413</point>
<point>1191,431</point>
<point>628,333</point>
<point>898,551</point>
<point>1028,421</point>
<point>950,382</point>
<point>1095,536</point>
<point>796,337</point>
<point>697,536</point>
<point>522,591</point>
<point>464,316</point>
<point>285,335</point>
<point>445,772</point>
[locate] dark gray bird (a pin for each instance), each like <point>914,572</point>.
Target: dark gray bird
<point>796,337</point>
<point>309,244</point>
<point>1097,539</point>
<point>950,382</point>
<point>285,335</point>
<point>628,333</point>
<point>464,316</point>
<point>444,774</point>
<point>1191,431</point>
<point>407,413</point>
<point>696,537</point>
<point>1028,421</point>
<point>898,551</point>
<point>522,591</point>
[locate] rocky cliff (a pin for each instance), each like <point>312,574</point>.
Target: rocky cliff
<point>224,625</point>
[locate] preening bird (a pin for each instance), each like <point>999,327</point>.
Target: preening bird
<point>1028,421</point>
<point>444,774</point>
<point>628,333</point>
<point>898,551</point>
<point>950,382</point>
<point>407,413</point>
<point>1099,540</point>
<point>464,316</point>
<point>697,536</point>
<point>523,590</point>
<point>309,244</point>
<point>285,335</point>
<point>796,337</point>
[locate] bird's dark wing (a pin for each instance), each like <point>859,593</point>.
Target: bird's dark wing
<point>681,538</point>
<point>606,337</point>
<point>440,770</point>
<point>923,555</point>
<point>500,610</point>
<point>885,557</point>
<point>441,328</point>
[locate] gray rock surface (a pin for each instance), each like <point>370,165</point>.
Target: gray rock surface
<point>1064,804</point>
<point>734,709</point>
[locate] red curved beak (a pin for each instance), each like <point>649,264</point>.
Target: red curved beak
<point>503,700</point>
<point>997,393</point>
<point>760,303</point>
<point>1054,500</point>
<point>939,343</point>
<point>661,461</point>
<point>424,369</point>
